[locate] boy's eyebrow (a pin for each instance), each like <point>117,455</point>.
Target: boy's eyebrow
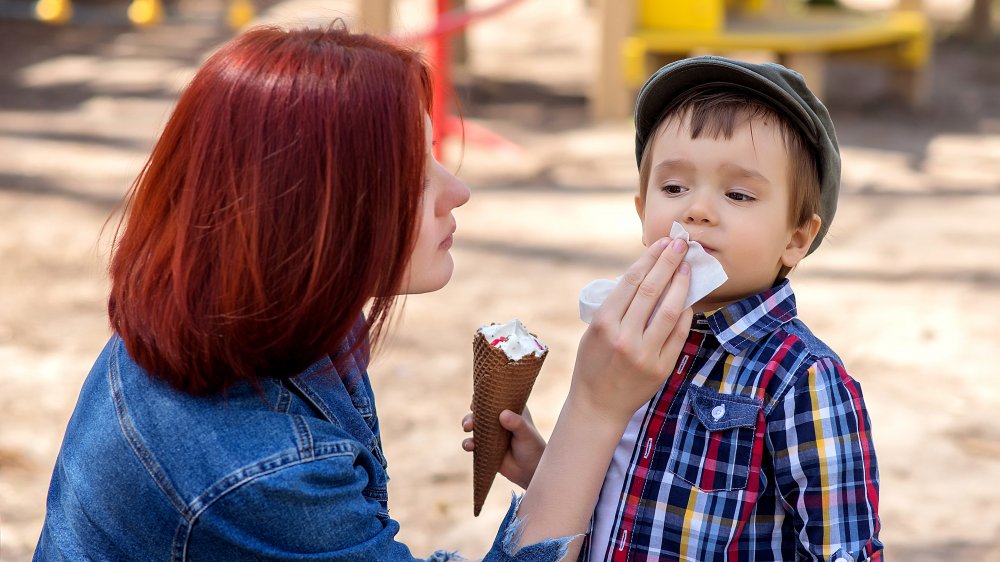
<point>741,172</point>
<point>681,163</point>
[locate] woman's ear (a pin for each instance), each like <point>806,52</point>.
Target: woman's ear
<point>801,239</point>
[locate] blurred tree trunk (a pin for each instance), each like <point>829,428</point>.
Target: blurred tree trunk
<point>980,25</point>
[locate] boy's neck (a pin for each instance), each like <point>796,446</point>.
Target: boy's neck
<point>707,305</point>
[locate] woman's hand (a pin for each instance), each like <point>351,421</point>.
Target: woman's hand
<point>526,445</point>
<point>626,354</point>
<point>632,344</point>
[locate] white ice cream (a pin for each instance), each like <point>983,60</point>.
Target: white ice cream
<point>706,276</point>
<point>513,339</point>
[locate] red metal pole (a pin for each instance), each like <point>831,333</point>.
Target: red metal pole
<point>440,58</point>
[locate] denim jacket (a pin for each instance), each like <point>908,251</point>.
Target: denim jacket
<point>292,470</point>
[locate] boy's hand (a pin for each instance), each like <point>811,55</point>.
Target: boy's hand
<point>526,445</point>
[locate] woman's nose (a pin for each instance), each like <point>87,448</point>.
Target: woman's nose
<point>462,193</point>
<point>456,193</point>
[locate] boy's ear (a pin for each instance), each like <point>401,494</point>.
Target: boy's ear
<point>639,211</point>
<point>800,241</point>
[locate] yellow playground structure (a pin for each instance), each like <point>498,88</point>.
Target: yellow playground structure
<point>639,36</point>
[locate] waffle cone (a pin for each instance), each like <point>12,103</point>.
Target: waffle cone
<point>498,384</point>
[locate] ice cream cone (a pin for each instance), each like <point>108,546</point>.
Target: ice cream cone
<point>498,384</point>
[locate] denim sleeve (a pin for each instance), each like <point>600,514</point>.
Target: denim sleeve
<point>316,511</point>
<point>825,467</point>
<point>510,532</point>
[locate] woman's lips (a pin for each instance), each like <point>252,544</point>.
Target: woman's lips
<point>446,244</point>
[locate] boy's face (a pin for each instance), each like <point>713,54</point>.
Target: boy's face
<point>732,196</point>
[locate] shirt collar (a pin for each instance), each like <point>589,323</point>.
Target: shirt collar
<point>743,323</point>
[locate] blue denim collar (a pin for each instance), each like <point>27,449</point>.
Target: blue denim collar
<point>334,385</point>
<point>743,323</point>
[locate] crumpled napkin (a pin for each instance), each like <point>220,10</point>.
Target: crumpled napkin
<point>706,276</point>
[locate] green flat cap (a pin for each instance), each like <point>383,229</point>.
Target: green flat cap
<point>777,86</point>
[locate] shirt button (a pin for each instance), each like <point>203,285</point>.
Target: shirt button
<point>717,413</point>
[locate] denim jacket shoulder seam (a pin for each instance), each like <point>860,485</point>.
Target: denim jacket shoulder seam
<point>131,435</point>
<point>303,437</point>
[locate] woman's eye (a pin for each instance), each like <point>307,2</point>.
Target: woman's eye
<point>739,196</point>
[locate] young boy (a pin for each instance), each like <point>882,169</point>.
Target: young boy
<point>759,446</point>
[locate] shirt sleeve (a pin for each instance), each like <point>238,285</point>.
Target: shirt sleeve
<point>825,468</point>
<point>317,511</point>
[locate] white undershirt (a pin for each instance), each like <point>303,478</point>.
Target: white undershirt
<point>611,492</point>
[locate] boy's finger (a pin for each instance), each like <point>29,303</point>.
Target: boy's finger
<point>468,444</point>
<point>618,301</point>
<point>651,289</point>
<point>511,421</point>
<point>467,423</point>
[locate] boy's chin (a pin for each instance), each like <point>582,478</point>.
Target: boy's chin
<point>715,300</point>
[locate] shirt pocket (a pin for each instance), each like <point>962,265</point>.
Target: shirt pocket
<point>714,440</point>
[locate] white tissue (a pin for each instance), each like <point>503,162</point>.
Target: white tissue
<point>706,276</point>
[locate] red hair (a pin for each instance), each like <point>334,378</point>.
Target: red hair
<point>281,198</point>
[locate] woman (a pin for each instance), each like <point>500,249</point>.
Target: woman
<point>230,416</point>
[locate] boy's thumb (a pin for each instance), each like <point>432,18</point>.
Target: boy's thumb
<point>511,421</point>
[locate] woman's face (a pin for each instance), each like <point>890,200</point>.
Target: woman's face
<point>431,264</point>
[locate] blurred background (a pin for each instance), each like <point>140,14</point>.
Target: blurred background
<point>906,287</point>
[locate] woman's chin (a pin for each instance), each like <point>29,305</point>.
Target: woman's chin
<point>430,281</point>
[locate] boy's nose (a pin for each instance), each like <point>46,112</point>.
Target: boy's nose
<point>699,211</point>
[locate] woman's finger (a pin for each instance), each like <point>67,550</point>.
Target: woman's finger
<point>467,423</point>
<point>671,349</point>
<point>468,444</point>
<point>618,301</point>
<point>665,317</point>
<point>659,277</point>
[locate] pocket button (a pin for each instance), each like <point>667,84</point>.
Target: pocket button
<point>718,412</point>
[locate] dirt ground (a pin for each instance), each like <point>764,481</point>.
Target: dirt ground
<point>906,287</point>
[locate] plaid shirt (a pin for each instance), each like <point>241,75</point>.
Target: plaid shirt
<point>758,447</point>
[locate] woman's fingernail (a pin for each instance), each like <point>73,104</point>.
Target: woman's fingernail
<point>661,243</point>
<point>684,268</point>
<point>678,245</point>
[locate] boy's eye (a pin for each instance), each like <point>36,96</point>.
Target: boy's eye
<point>739,196</point>
<point>673,189</point>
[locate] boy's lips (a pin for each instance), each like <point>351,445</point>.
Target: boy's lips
<point>706,247</point>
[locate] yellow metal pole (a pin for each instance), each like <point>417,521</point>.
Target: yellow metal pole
<point>240,13</point>
<point>54,11</point>
<point>145,12</point>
